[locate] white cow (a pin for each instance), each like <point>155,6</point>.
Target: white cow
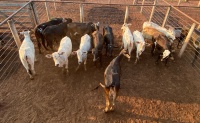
<point>170,33</point>
<point>27,53</point>
<point>84,47</point>
<point>127,39</point>
<point>61,56</point>
<point>139,43</point>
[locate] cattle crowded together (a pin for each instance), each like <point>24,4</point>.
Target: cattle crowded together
<point>64,32</point>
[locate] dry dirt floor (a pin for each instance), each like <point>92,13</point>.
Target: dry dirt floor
<point>149,93</point>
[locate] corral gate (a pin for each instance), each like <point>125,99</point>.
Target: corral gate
<point>36,12</point>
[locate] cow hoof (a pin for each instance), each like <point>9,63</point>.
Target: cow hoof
<point>111,108</point>
<point>106,110</point>
<point>31,78</point>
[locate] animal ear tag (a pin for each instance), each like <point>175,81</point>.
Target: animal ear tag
<point>48,56</point>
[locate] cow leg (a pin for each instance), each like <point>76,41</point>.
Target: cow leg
<point>85,62</point>
<point>152,49</point>
<point>166,60</point>
<point>158,58</point>
<point>39,45</point>
<point>107,100</point>
<point>66,67</point>
<point>137,57</point>
<point>196,55</point>
<point>129,54</point>
<point>114,99</point>
<point>30,71</point>
<point>43,43</point>
<point>77,67</point>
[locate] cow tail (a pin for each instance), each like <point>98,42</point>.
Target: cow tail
<point>98,86</point>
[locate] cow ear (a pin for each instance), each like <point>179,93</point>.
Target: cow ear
<point>129,24</point>
<point>74,53</point>
<point>48,56</point>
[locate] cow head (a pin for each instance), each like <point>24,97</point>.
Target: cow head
<point>140,48</point>
<point>166,54</point>
<point>94,26</point>
<point>59,58</point>
<point>124,26</point>
<point>25,33</point>
<point>80,55</point>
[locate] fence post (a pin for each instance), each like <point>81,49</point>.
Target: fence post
<point>187,39</point>
<point>126,14</point>
<point>81,13</point>
<point>134,2</point>
<point>166,16</point>
<point>153,9</point>
<point>14,33</point>
<point>142,6</point>
<point>179,2</point>
<point>55,5</point>
<point>47,10</point>
<point>33,14</point>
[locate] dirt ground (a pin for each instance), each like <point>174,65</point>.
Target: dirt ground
<point>150,93</point>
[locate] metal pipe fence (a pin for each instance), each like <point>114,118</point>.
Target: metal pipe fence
<point>35,12</point>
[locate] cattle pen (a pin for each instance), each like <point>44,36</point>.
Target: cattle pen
<point>149,93</point>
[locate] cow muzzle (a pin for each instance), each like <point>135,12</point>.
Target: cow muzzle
<point>56,65</point>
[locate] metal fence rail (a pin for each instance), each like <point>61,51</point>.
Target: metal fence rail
<point>9,57</point>
<point>35,12</point>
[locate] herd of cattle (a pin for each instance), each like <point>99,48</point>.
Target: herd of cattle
<point>64,32</point>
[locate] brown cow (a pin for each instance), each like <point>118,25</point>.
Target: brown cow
<point>112,80</point>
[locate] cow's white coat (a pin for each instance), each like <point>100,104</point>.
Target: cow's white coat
<point>139,43</point>
<point>27,53</point>
<point>127,38</point>
<point>170,33</point>
<point>84,47</point>
<point>64,51</point>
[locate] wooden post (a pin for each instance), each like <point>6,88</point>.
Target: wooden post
<point>187,39</point>
<point>126,14</point>
<point>14,33</point>
<point>81,13</point>
<point>198,28</point>
<point>179,2</point>
<point>47,10</point>
<point>55,5</point>
<point>152,12</point>
<point>142,6</point>
<point>198,4</point>
<point>166,16</point>
<point>34,13</point>
<point>134,2</point>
